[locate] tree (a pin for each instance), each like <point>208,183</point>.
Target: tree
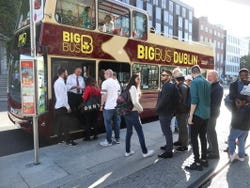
<point>245,62</point>
<point>8,16</point>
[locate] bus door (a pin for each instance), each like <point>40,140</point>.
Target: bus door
<point>88,69</point>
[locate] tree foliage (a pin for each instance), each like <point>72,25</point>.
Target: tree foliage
<point>245,62</point>
<point>8,16</point>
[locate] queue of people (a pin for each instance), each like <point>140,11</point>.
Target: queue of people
<point>193,99</point>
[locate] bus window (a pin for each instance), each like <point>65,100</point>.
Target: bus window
<point>139,26</point>
<point>113,19</point>
<point>122,70</point>
<point>171,68</point>
<point>76,13</point>
<point>149,75</point>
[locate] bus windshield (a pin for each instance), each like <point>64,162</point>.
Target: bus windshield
<point>24,15</point>
<point>14,79</point>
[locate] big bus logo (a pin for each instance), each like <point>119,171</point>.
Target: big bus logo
<point>76,43</point>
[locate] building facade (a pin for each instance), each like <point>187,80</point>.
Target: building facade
<point>232,56</point>
<point>168,17</point>
<point>3,54</point>
<point>205,32</point>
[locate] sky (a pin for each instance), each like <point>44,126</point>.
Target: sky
<point>233,16</point>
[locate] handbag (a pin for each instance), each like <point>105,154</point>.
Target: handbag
<point>93,103</point>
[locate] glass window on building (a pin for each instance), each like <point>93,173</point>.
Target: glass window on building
<point>177,9</point>
<point>166,16</point>
<point>156,2</point>
<point>190,27</point>
<point>170,21</point>
<point>158,27</point>
<point>186,24</point>
<point>201,27</point>
<point>190,15</point>
<point>113,19</point>
<point>164,4</point>
<point>74,13</point>
<point>139,25</point>
<point>149,8</point>
<point>171,6</point>
<point>184,12</point>
<point>180,34</point>
<point>217,57</point>
<point>139,3</point>
<point>126,1</point>
<point>149,75</point>
<point>180,23</point>
<point>170,32</point>
<point>166,30</point>
<point>186,36</point>
<point>158,13</point>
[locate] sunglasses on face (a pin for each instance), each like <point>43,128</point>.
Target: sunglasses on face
<point>165,75</point>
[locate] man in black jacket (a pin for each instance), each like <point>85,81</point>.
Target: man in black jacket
<point>236,86</point>
<point>165,108</point>
<point>182,112</point>
<point>216,97</point>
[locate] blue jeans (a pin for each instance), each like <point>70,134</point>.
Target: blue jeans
<point>165,122</point>
<point>109,116</point>
<point>133,119</point>
<point>241,136</point>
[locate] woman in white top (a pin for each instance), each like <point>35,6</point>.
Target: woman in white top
<point>133,118</point>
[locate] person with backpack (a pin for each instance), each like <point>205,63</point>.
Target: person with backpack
<point>132,118</point>
<point>165,108</point>
<point>216,98</point>
<point>234,90</point>
<point>91,116</point>
<point>182,112</point>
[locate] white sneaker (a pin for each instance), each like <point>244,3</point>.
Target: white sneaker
<point>149,154</point>
<point>241,159</point>
<point>105,143</point>
<point>129,154</point>
<point>233,157</point>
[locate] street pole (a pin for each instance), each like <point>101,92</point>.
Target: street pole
<point>33,54</point>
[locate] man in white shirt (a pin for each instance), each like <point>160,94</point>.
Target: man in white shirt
<point>62,108</point>
<point>75,85</point>
<point>110,91</point>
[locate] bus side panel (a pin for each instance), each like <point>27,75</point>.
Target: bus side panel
<point>148,101</point>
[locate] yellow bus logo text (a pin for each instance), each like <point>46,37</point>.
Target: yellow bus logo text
<point>76,43</point>
<point>165,55</point>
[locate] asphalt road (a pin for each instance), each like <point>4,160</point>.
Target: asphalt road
<point>14,141</point>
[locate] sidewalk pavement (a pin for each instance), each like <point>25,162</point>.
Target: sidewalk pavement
<point>90,165</point>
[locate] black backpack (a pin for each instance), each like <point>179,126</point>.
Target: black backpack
<point>124,103</point>
<point>183,105</point>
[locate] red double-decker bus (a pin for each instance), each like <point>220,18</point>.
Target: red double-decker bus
<point>72,33</point>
